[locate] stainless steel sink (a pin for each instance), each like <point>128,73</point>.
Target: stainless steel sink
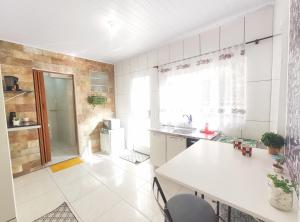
<point>183,131</point>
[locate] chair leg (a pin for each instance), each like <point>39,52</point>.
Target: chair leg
<point>196,193</point>
<point>229,214</point>
<point>202,196</point>
<point>218,208</point>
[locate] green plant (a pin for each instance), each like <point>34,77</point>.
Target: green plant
<point>96,100</point>
<point>272,140</point>
<point>280,159</point>
<point>282,183</point>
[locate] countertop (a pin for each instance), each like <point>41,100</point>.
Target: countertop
<point>195,134</point>
<point>218,170</point>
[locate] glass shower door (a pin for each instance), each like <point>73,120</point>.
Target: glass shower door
<point>61,116</point>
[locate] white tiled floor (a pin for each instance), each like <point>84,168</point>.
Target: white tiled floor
<point>101,189</point>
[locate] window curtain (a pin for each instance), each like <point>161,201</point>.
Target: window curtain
<point>212,88</point>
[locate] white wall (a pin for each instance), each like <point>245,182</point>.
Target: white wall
<point>7,202</point>
<point>262,72</point>
<point>280,65</point>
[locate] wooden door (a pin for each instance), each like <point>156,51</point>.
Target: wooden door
<point>42,116</point>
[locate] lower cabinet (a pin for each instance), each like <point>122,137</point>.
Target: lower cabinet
<point>158,149</point>
<point>175,145</point>
<point>164,147</point>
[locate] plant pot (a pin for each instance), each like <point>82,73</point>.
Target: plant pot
<point>277,169</point>
<point>273,150</point>
<point>279,199</point>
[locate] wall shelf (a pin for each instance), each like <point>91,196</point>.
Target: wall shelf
<point>16,93</point>
<point>23,127</point>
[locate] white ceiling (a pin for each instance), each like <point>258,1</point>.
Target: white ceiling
<point>81,27</point>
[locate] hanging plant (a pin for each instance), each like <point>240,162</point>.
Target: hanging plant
<point>96,100</point>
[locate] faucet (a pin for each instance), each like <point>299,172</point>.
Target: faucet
<point>189,117</point>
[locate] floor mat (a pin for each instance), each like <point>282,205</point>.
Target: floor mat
<point>134,157</point>
<point>60,214</point>
<point>65,164</point>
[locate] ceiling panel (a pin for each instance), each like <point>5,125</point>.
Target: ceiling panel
<point>109,30</point>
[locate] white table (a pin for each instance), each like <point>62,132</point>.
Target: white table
<point>224,174</point>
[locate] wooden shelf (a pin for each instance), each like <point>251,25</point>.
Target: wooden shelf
<point>16,93</point>
<point>23,127</point>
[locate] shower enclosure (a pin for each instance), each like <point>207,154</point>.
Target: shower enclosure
<point>59,93</point>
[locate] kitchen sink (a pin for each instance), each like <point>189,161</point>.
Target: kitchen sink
<point>183,131</point>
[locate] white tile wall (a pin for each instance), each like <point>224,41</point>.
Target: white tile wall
<point>277,54</point>
<point>176,51</point>
<point>122,85</point>
<point>254,129</point>
<point>258,100</point>
<point>143,62</point>
<point>210,40</point>
<point>152,59</point>
<point>126,66</point>
<point>275,100</point>
<point>232,33</point>
<point>122,104</point>
<point>259,60</point>
<point>164,55</point>
<point>134,64</point>
<point>191,46</point>
<point>259,24</point>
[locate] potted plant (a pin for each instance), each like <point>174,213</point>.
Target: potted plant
<point>273,141</point>
<point>95,100</point>
<point>278,164</point>
<point>281,192</point>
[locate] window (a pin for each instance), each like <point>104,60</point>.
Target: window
<point>212,88</point>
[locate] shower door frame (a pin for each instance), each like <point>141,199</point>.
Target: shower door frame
<point>42,115</point>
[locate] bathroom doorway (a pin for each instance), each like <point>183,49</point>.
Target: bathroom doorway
<point>58,117</point>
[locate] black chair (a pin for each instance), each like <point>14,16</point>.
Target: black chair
<point>183,207</point>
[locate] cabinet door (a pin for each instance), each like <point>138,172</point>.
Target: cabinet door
<point>157,148</point>
<point>175,145</point>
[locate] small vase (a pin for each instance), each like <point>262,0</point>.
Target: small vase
<point>273,151</point>
<point>277,170</point>
<point>279,199</point>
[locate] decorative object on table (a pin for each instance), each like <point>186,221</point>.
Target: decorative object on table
<point>11,83</point>
<point>95,100</point>
<point>206,130</point>
<point>273,141</point>
<point>16,121</point>
<point>246,150</point>
<point>279,160</point>
<point>281,192</point>
<point>237,144</point>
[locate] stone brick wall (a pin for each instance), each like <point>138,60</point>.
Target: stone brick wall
<point>19,60</point>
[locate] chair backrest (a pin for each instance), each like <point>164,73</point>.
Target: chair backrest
<point>158,192</point>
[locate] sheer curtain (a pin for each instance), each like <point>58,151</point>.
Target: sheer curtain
<point>212,88</point>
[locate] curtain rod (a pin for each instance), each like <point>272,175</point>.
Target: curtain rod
<point>256,41</point>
